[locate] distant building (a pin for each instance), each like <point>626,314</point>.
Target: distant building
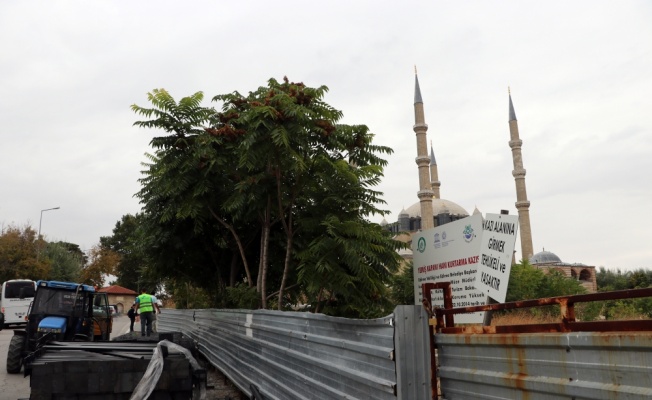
<point>548,262</point>
<point>432,211</point>
<point>120,297</point>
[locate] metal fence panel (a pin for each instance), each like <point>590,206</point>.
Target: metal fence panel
<point>578,366</point>
<point>412,341</point>
<point>294,355</point>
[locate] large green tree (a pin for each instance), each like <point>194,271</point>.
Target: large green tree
<point>121,255</point>
<point>66,261</point>
<point>271,191</point>
<point>101,264</point>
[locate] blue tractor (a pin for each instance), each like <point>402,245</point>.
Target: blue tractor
<point>61,311</point>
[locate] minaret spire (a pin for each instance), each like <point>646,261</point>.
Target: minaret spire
<point>512,114</point>
<point>425,192</point>
<point>417,90</point>
<point>434,173</point>
<point>522,203</point>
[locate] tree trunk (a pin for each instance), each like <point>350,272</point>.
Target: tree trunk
<point>286,269</point>
<point>238,242</point>
<point>289,231</point>
<point>264,255</point>
<point>259,277</point>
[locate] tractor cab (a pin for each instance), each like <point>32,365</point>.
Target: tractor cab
<point>61,311</point>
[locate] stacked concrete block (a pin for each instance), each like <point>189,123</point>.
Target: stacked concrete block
<point>108,379</point>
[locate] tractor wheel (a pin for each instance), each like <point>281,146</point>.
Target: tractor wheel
<point>15,354</point>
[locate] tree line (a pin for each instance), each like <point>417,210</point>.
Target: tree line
<point>23,255</point>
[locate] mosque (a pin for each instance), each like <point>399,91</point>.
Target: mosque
<point>432,211</point>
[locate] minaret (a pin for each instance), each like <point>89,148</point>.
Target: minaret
<point>522,203</point>
<point>434,174</point>
<point>425,192</point>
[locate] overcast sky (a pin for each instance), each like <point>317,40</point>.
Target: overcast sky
<point>580,74</point>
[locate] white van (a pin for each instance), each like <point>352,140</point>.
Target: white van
<point>15,299</point>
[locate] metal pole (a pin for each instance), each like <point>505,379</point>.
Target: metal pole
<point>38,248</point>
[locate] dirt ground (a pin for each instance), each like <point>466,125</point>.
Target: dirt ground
<point>218,386</point>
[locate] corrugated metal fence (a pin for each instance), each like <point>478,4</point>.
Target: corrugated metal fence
<point>298,355</point>
<point>295,355</point>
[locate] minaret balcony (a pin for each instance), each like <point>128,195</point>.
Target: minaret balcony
<point>518,173</point>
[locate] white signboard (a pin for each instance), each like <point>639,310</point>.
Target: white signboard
<point>498,240</point>
<point>450,253</point>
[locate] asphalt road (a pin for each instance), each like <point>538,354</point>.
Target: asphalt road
<point>15,386</point>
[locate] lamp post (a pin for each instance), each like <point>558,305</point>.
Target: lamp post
<point>38,250</point>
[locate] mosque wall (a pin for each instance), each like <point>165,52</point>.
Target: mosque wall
<point>582,273</point>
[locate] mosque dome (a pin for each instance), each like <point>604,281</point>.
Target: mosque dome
<point>439,206</point>
<point>545,257</point>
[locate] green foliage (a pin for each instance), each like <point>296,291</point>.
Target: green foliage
<point>19,248</point>
<point>350,258</point>
<point>610,280</point>
<point>131,265</point>
<point>241,296</point>
<point>524,282</point>
<point>102,262</point>
<point>402,285</point>
<point>645,307</point>
<point>66,261</point>
<point>555,283</point>
<point>527,282</point>
<point>188,297</point>
<point>621,309</point>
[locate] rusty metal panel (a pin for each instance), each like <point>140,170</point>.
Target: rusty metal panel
<point>445,323</point>
<point>546,366</point>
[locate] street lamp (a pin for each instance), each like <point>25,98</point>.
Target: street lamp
<point>38,251</point>
<point>41,220</point>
